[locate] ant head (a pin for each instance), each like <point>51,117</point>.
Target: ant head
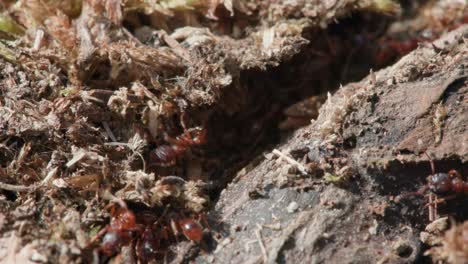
<point>127,219</point>
<point>200,138</point>
<point>122,216</point>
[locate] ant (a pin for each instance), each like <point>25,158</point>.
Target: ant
<point>152,238</point>
<point>166,155</point>
<point>154,241</point>
<point>450,184</point>
<point>120,231</point>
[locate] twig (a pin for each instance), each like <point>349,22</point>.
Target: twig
<point>176,47</point>
<point>431,208</point>
<point>291,161</point>
<point>247,245</point>
<point>12,245</point>
<point>33,187</point>
<point>109,131</point>
<point>262,246</point>
<point>17,188</point>
<point>142,160</point>
<point>38,39</point>
<point>49,176</point>
<point>77,156</point>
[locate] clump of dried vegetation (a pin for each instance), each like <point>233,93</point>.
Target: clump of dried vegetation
<point>89,88</point>
<point>452,247</point>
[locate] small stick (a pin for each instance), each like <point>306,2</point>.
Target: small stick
<point>291,161</point>
<point>176,47</point>
<point>17,188</point>
<point>33,187</point>
<point>431,161</point>
<point>49,176</point>
<point>109,131</point>
<point>38,39</point>
<point>431,207</point>
<point>262,246</point>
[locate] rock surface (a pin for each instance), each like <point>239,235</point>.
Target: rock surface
<point>377,127</point>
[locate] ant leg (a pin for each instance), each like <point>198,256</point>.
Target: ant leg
<point>175,229</point>
<point>432,205</point>
<point>202,218</point>
<point>165,233</point>
<point>97,236</point>
<point>442,200</point>
<point>419,192</point>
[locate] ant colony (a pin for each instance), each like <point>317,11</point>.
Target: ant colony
<point>151,231</point>
<point>149,235</point>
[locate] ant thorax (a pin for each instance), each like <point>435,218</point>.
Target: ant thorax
<point>440,183</point>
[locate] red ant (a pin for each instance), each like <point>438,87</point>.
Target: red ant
<point>451,184</point>
<point>149,245</point>
<point>152,238</point>
<point>166,155</point>
<point>154,241</point>
<point>391,48</point>
<point>120,231</point>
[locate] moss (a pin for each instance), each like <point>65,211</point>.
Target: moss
<point>8,25</point>
<point>388,7</point>
<point>7,53</point>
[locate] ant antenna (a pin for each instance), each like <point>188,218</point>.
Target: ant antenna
<point>419,192</point>
<point>431,161</point>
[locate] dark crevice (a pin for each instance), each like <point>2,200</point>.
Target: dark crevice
<point>409,177</point>
<point>402,181</point>
<point>342,53</point>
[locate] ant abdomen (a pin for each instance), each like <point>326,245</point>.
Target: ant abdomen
<point>191,229</point>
